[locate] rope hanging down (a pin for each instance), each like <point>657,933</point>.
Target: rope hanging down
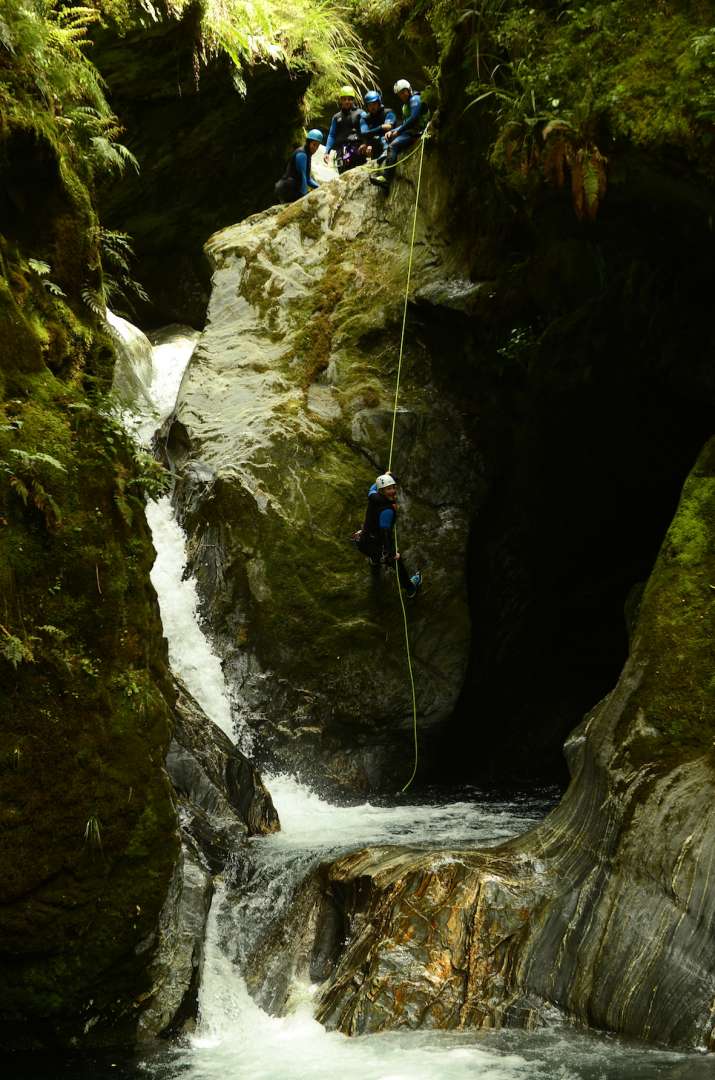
<point>389,463</point>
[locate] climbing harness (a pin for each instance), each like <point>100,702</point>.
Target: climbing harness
<point>392,444</point>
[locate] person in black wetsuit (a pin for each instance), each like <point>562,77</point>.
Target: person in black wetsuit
<point>344,134</point>
<point>377,536</point>
<point>296,180</point>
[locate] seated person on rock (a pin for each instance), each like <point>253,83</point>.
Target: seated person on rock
<point>375,121</point>
<point>376,539</point>
<point>344,134</point>
<point>400,138</point>
<point>296,180</point>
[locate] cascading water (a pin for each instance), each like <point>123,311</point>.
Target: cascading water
<point>235,1036</point>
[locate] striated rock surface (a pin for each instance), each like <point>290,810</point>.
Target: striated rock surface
<point>282,423</point>
<point>222,799</point>
<point>607,909</point>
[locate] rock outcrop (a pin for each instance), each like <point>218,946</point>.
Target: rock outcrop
<point>283,421</point>
<point>222,799</point>
<point>606,910</point>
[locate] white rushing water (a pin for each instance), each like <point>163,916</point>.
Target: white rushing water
<point>235,1037</point>
<point>190,654</point>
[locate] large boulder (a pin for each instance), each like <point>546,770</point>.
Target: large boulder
<point>283,420</point>
<point>606,909</point>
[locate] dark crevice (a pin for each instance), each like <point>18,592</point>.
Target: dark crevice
<point>588,392</point>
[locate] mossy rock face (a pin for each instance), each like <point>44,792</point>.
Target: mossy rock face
<point>606,909</point>
<point>88,829</point>
<point>89,839</point>
<point>287,409</point>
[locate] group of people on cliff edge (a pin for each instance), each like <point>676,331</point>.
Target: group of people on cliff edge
<point>357,136</point>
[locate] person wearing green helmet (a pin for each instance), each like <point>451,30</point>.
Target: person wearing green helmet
<point>296,180</point>
<point>344,134</point>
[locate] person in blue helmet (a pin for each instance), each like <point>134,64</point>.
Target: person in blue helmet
<point>344,133</point>
<point>296,180</point>
<point>376,539</point>
<point>402,137</point>
<point>375,121</point>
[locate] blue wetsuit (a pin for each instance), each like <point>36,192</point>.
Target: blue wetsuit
<point>302,167</point>
<point>296,181</point>
<point>344,124</point>
<point>408,132</point>
<point>371,127</point>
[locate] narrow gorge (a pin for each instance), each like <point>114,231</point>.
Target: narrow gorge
<point>210,706</point>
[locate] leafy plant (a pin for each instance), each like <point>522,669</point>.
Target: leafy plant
<point>14,649</point>
<point>312,36</point>
<point>26,480</point>
<point>560,82</point>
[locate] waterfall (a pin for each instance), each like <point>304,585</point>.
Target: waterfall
<point>156,386</point>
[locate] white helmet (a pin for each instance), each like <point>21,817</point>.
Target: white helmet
<point>401,84</point>
<point>386,480</point>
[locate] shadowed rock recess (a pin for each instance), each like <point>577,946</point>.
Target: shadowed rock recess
<point>283,421</point>
<point>204,157</point>
<point>605,910</point>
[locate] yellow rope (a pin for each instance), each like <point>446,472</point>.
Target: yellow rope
<point>404,312</point>
<point>404,157</point>
<point>389,463</point>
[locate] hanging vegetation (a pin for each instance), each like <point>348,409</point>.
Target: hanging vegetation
<point>314,36</point>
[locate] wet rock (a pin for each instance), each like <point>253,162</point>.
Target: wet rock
<point>221,795</point>
<point>176,970</point>
<point>283,420</point>
<point>606,909</point>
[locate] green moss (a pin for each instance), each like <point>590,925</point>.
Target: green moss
<point>675,627</point>
<point>88,840</point>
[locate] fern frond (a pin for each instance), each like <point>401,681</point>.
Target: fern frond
<point>594,180</point>
<point>53,288</point>
<point>17,485</point>
<point>46,459</point>
<point>39,267</point>
<point>112,155</point>
<point>94,302</point>
<point>7,39</point>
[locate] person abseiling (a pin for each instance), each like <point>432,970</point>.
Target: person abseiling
<point>344,134</point>
<point>296,180</point>
<point>376,539</point>
<point>400,138</point>
<point>375,121</point>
